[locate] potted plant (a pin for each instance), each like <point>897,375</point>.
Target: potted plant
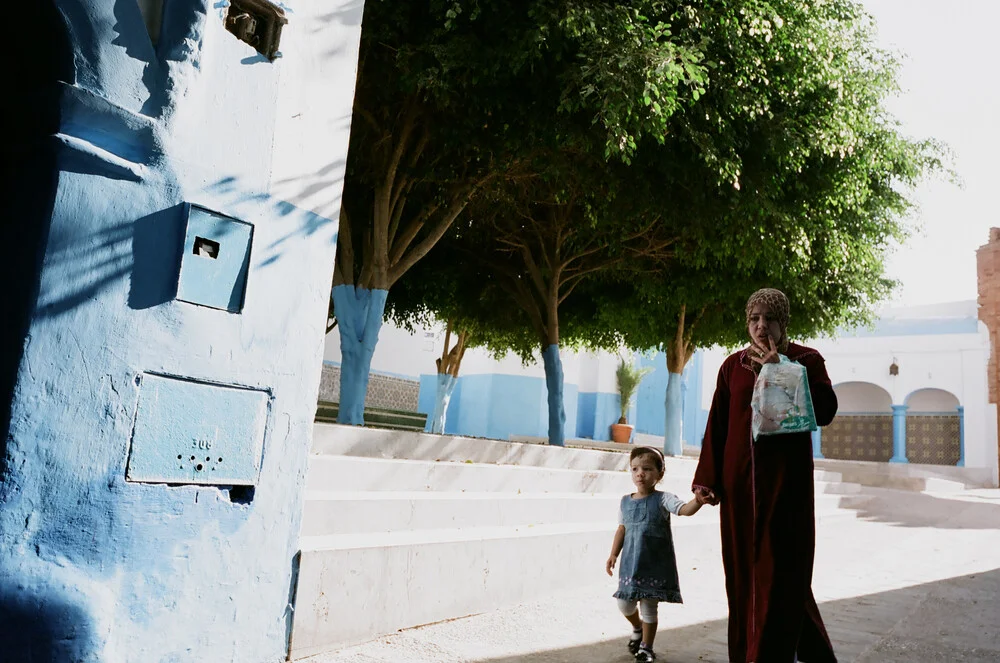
<point>628,377</point>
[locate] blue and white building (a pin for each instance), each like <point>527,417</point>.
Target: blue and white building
<point>912,389</point>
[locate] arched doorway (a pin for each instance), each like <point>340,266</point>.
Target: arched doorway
<point>862,429</point>
<point>933,427</point>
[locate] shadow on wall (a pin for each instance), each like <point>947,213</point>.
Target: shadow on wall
<point>29,160</point>
<point>147,249</point>
<point>43,629</point>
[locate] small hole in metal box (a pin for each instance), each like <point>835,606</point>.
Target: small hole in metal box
<point>206,248</point>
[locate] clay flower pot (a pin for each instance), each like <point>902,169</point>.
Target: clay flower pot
<point>621,433</point>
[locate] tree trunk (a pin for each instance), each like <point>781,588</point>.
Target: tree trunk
<point>442,397</point>
<point>448,365</point>
<point>672,445</point>
<point>679,352</point>
<point>554,385</point>
<point>359,312</point>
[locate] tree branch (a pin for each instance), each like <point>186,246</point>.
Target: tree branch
<point>407,260</point>
<point>694,323</point>
<point>463,338</point>
<point>412,229</point>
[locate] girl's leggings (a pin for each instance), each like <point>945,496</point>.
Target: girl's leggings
<point>647,609</point>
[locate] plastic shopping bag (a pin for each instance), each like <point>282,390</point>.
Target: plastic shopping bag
<point>781,400</point>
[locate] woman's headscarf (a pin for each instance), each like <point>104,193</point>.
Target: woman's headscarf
<point>777,304</point>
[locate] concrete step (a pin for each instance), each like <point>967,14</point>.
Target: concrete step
<point>328,513</point>
<point>909,476</point>
<point>335,513</point>
<point>355,588</point>
<point>360,442</point>
<point>838,488</point>
<point>381,418</point>
<point>347,473</point>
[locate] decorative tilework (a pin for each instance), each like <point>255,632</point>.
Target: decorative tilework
<point>384,391</point>
<point>933,439</point>
<point>859,437</point>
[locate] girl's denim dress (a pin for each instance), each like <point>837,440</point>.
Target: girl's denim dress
<point>647,567</point>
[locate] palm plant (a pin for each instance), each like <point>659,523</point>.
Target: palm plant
<point>628,377</point>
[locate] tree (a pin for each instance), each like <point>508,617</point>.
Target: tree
<point>786,170</point>
<point>453,95</point>
<point>794,117</point>
<point>477,293</point>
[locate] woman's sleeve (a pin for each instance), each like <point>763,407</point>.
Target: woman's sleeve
<point>709,472</point>
<point>823,396</point>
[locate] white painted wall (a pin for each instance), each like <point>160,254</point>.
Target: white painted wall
<point>411,355</point>
<point>932,400</point>
<point>862,397</point>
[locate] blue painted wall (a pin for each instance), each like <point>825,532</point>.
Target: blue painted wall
<point>607,410</point>
<point>497,406</point>
<point>651,414</point>
<point>586,408</point>
<point>650,397</point>
<point>695,417</point>
<point>92,567</point>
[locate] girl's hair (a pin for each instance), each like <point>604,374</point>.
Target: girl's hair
<point>648,451</point>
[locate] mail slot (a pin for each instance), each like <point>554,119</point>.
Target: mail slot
<point>188,431</point>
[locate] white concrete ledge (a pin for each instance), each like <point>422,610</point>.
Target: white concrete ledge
<point>387,444</point>
<point>351,513</point>
<point>344,473</point>
<point>351,594</point>
<point>909,476</point>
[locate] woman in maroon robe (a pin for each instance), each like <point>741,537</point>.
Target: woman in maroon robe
<point>765,492</point>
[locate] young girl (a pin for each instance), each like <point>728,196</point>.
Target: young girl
<point>648,572</point>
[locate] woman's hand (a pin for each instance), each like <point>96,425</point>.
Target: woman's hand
<point>763,355</point>
<point>610,566</point>
<point>705,496</point>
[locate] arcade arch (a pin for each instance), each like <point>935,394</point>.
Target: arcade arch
<point>862,429</point>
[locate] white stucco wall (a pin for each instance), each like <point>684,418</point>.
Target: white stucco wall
<point>411,355</point>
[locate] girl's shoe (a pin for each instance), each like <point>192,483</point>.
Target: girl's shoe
<point>645,655</point>
<point>634,642</point>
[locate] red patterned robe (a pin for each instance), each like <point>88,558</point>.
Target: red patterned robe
<point>768,521</point>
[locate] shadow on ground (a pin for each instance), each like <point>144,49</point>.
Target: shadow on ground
<point>922,510</point>
<point>949,621</point>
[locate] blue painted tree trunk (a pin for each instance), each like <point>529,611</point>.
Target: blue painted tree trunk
<point>442,396</point>
<point>672,445</point>
<point>359,319</point>
<point>554,385</point>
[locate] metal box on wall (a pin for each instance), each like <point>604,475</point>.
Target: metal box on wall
<point>215,261</point>
<point>196,432</point>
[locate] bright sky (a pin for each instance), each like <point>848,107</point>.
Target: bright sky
<point>951,92</point>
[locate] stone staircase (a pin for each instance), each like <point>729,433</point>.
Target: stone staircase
<point>402,529</point>
<point>375,417</point>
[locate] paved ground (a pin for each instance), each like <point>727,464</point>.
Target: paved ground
<point>907,578</point>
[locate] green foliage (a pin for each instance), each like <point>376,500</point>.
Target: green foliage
<point>627,377</point>
<point>747,143</point>
<point>452,96</point>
